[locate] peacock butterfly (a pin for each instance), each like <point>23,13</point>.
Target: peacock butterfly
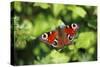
<point>61,36</point>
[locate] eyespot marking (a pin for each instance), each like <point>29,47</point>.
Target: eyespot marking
<point>70,37</point>
<point>74,26</point>
<point>45,36</point>
<point>55,43</point>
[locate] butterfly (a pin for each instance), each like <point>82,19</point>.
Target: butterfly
<point>61,36</point>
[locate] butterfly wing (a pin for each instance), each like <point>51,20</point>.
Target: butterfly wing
<point>60,39</point>
<point>49,37</point>
<point>71,31</point>
<point>61,36</point>
<point>53,38</point>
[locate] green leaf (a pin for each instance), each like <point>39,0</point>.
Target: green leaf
<point>40,25</point>
<point>26,25</point>
<point>57,9</point>
<point>91,50</point>
<point>17,6</point>
<point>77,11</point>
<point>43,24</point>
<point>54,57</point>
<point>86,40</point>
<point>20,44</point>
<point>42,5</point>
<point>58,57</point>
<point>44,47</point>
<point>36,51</point>
<point>92,23</point>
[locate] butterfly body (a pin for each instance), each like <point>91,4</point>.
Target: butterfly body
<point>61,36</point>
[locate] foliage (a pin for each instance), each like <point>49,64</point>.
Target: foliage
<point>30,20</point>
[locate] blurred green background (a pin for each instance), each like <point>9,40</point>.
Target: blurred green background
<point>29,20</point>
